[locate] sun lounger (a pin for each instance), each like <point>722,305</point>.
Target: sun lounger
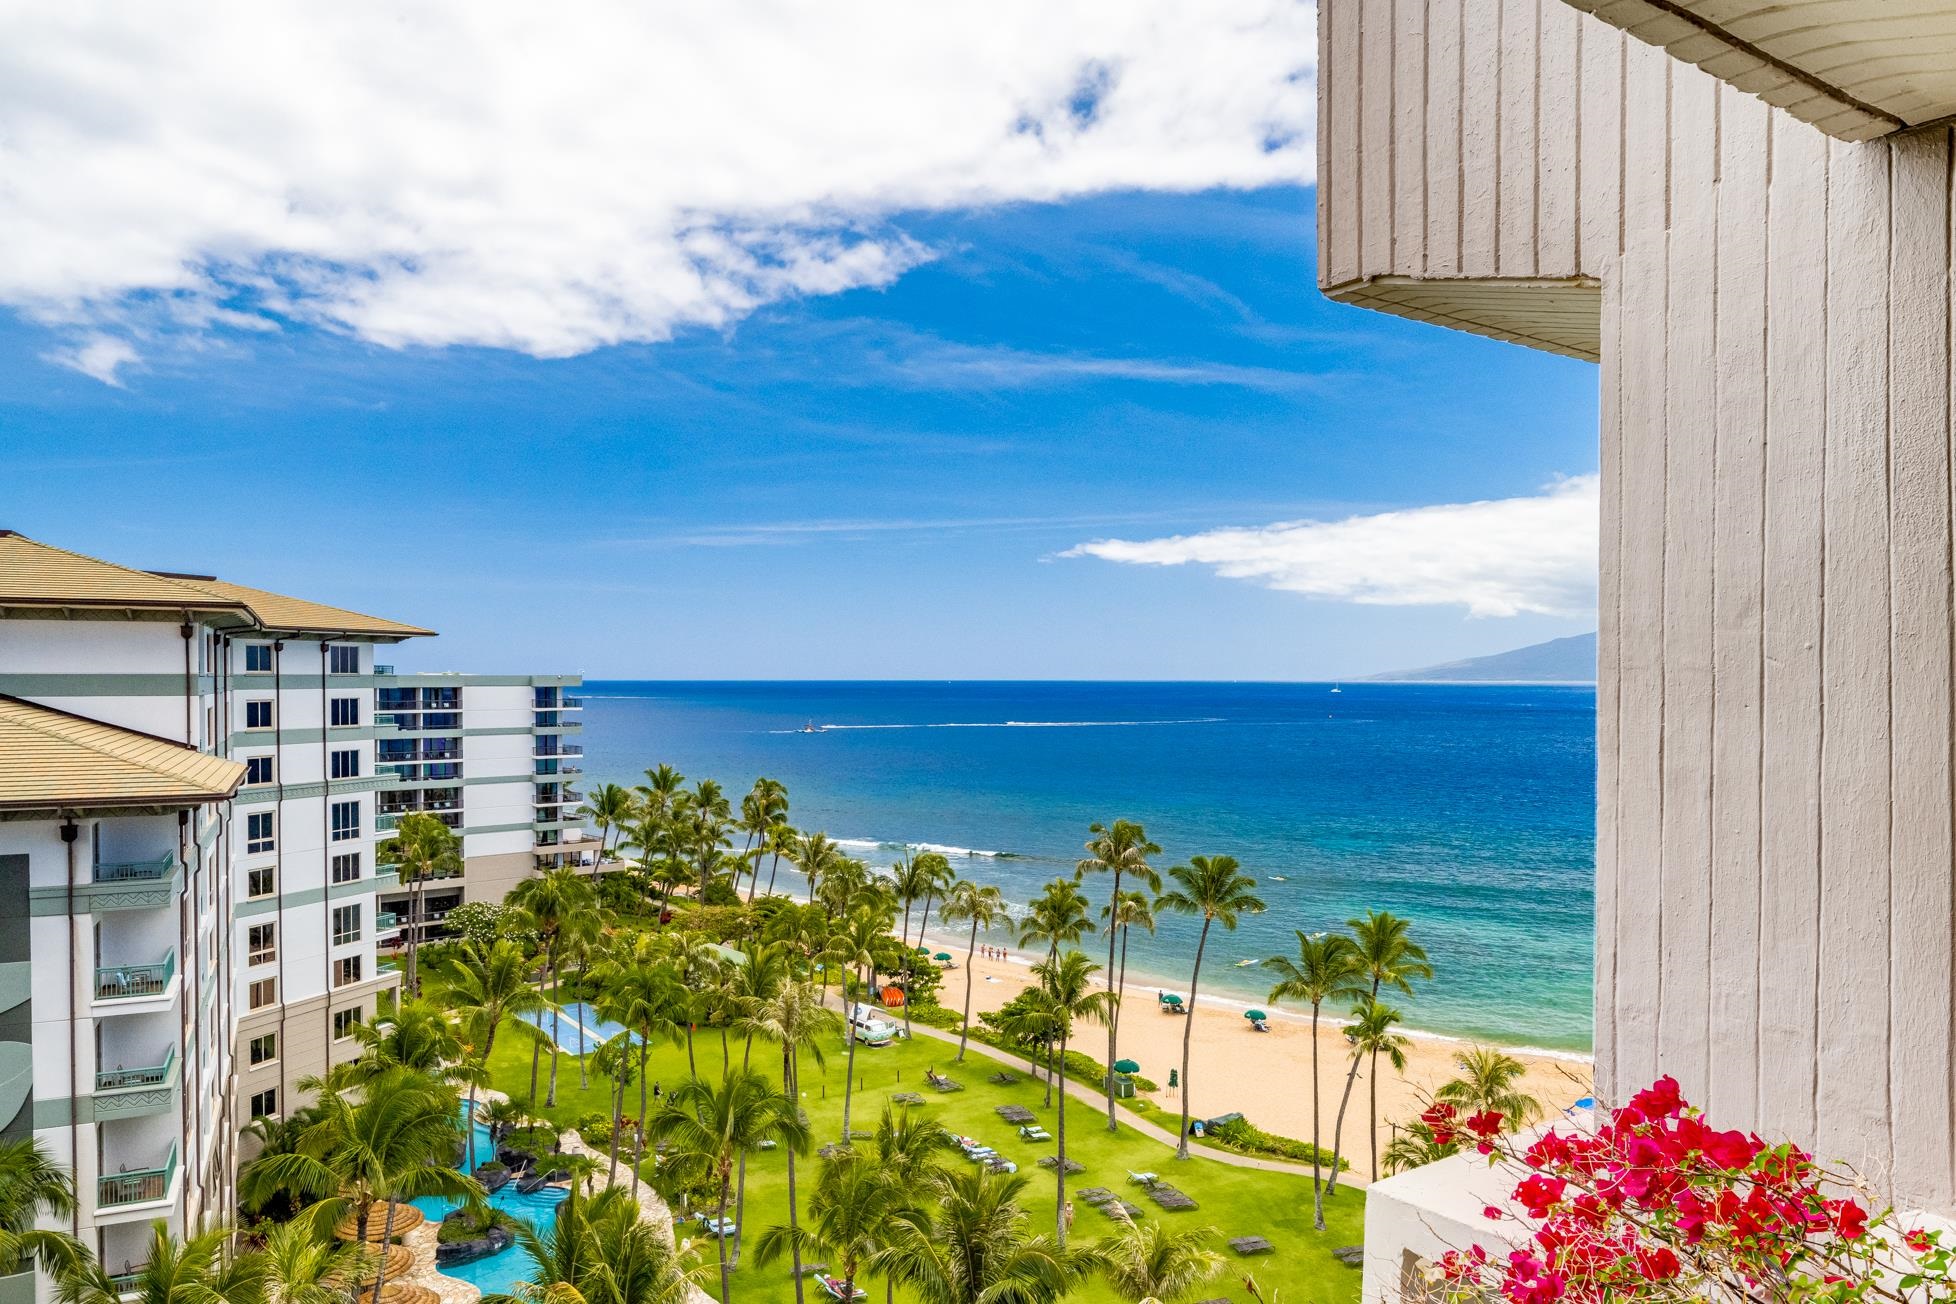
<point>1034,1132</point>
<point>1247,1245</point>
<point>1142,1179</point>
<point>837,1289</point>
<point>717,1226</point>
<point>1015,1114</point>
<point>906,1098</point>
<point>1169,1198</point>
<point>1000,1164</point>
<point>1072,1165</point>
<point>1113,1209</point>
<point>943,1083</point>
<point>1094,1194</point>
<point>831,1150</point>
<point>1004,1077</point>
<point>1352,1256</point>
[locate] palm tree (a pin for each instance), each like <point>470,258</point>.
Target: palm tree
<point>910,877</point>
<point>1031,1020</point>
<point>32,1184</point>
<point>1327,968</point>
<point>909,1144</point>
<point>1490,1081</point>
<point>610,806</point>
<point>709,1126</point>
<point>559,906</point>
<point>422,848</point>
<point>1124,912</point>
<point>201,1268</point>
<point>393,1144</point>
<point>1392,959</point>
<point>781,840</point>
<point>852,1211</point>
<point>974,1244</point>
<point>750,987</point>
<point>1068,984</point>
<point>816,857</point>
<point>938,877</point>
<point>1212,887</point>
<point>491,987</point>
<point>795,1020</point>
<point>1057,917</point>
<point>1120,849</point>
<point>302,1268</point>
<point>761,810</point>
<point>1151,1261</point>
<point>853,946</point>
<point>1369,1033</point>
<point>1414,1146</point>
<point>983,906</point>
<point>602,1251</point>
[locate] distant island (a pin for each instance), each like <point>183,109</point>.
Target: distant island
<point>1569,660</point>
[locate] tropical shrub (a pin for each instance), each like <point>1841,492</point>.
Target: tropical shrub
<point>478,923</point>
<point>1659,1205</point>
<point>595,1129</point>
<point>1247,1138</point>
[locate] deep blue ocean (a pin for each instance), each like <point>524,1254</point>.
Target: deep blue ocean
<point>1468,809</point>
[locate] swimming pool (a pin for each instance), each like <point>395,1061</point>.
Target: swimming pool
<point>497,1273</point>
<point>578,1027</point>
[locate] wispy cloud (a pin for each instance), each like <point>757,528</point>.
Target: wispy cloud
<point>1500,557</point>
<point>787,533</point>
<point>524,178</point>
<point>101,357</point>
<point>952,366</point>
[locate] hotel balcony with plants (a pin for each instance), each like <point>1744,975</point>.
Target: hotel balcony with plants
<point>135,968</point>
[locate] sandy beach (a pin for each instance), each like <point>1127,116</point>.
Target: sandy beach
<point>1266,1076</point>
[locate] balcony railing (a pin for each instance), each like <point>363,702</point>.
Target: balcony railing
<point>385,921</point>
<point>128,1281</point>
<point>379,669</point>
<point>572,703</point>
<point>126,981</point>
<point>561,749</point>
<point>120,1079</point>
<point>138,1186</point>
<point>136,871</point>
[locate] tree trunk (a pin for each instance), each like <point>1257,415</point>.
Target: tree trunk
<point>556,1031</point>
<point>1114,1016</point>
<point>1317,1182</point>
<point>1188,1029</point>
<point>849,1030</point>
<point>722,1213</point>
<point>1338,1127</point>
<point>773,868</point>
<point>791,1082</point>
<point>1372,1090</point>
<point>964,1033</point>
<point>692,1066</point>
<point>617,1108</point>
<point>386,1239</point>
<point>638,1140</point>
<point>1059,1169</point>
<point>471,1121</point>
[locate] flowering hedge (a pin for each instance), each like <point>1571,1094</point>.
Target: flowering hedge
<point>1658,1205</point>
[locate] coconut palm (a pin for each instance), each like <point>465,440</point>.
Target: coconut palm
<point>780,840</point>
<point>611,807</point>
<point>853,947</point>
<point>490,987</point>
<point>1490,1081</point>
<point>761,810</point>
<point>1124,912</point>
<point>602,1251</point>
<point>852,1211</point>
<point>200,1267</point>
<point>303,1268</point>
<point>982,906</point>
<point>1057,917</point>
<point>749,988</point>
<point>708,1126</point>
<point>1370,1034</point>
<point>32,1184</point>
<point>1414,1146</point>
<point>795,1020</point>
<point>1212,887</point>
<point>974,1244</point>
<point>1327,967</point>
<point>938,877</point>
<point>617,1059</point>
<point>422,848</point>
<point>1122,850</point>
<point>817,857</point>
<point>1144,1261</point>
<point>560,907</point>
<point>908,1145</point>
<point>1068,984</point>
<point>1392,959</point>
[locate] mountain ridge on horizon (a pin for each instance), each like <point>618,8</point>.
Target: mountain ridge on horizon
<point>1570,660</point>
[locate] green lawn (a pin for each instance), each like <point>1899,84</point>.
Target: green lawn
<point>1235,1201</point>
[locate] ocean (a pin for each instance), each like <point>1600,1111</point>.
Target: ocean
<point>1469,809</point>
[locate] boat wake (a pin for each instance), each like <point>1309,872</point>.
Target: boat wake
<point>872,844</point>
<point>1009,724</point>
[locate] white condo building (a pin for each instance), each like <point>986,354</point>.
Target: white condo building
<point>194,778</point>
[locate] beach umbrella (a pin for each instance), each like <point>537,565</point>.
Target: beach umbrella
<point>1171,999</point>
<point>923,950</point>
<point>1257,1015</point>
<point>942,955</point>
<point>1126,1066</point>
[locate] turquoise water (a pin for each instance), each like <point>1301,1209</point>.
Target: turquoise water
<point>1469,809</point>
<point>497,1273</point>
<point>577,1027</point>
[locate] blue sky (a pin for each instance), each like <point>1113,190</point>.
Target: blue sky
<point>871,483</point>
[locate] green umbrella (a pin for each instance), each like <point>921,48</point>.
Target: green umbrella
<point>1171,999</point>
<point>1126,1066</point>
<point>942,955</point>
<point>1257,1015</point>
<point>923,950</point>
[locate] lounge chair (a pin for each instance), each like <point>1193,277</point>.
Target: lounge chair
<point>1015,1114</point>
<point>1142,1179</point>
<point>1169,1198</point>
<point>1004,1077</point>
<point>1072,1165</point>
<point>1034,1132</point>
<point>1094,1194</point>
<point>1000,1164</point>
<point>722,1227</point>
<point>837,1289</point>
<point>943,1083</point>
<point>1247,1245</point>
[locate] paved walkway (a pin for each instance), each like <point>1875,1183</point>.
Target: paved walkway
<point>1088,1093</point>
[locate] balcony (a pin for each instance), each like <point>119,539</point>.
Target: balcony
<point>560,749</point>
<point>555,768</point>
<point>385,823</point>
<point>131,1093</point>
<point>135,871</point>
<point>572,704</point>
<point>139,1186</point>
<point>136,982</point>
<point>379,669</point>
<point>146,884</point>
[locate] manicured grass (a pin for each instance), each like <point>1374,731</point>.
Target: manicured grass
<point>1235,1201</point>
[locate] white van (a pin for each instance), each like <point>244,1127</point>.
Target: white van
<point>870,1029</point>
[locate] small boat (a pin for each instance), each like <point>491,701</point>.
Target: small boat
<point>810,728</point>
<point>1336,689</point>
<point>1278,878</point>
<point>1244,964</point>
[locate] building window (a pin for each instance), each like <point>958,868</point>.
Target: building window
<point>346,764</point>
<point>346,820</point>
<point>346,925</point>
<point>346,867</point>
<point>263,1050</point>
<point>258,831</point>
<point>346,712</point>
<point>258,769</point>
<point>344,1022</point>
<point>258,656</point>
<point>258,714</point>
<point>344,659</point>
<point>261,944</point>
<point>261,882</point>
<point>346,971</point>
<point>264,1104</point>
<point>262,993</point>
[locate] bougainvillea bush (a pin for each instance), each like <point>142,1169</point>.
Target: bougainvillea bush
<point>1656,1204</point>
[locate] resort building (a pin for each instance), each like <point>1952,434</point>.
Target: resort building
<point>1743,215</point>
<point>194,779</point>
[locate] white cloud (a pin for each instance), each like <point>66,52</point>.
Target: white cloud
<point>1496,558</point>
<point>99,356</point>
<point>552,179</point>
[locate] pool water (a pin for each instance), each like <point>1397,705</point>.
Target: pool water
<point>577,1026</point>
<point>498,1273</point>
